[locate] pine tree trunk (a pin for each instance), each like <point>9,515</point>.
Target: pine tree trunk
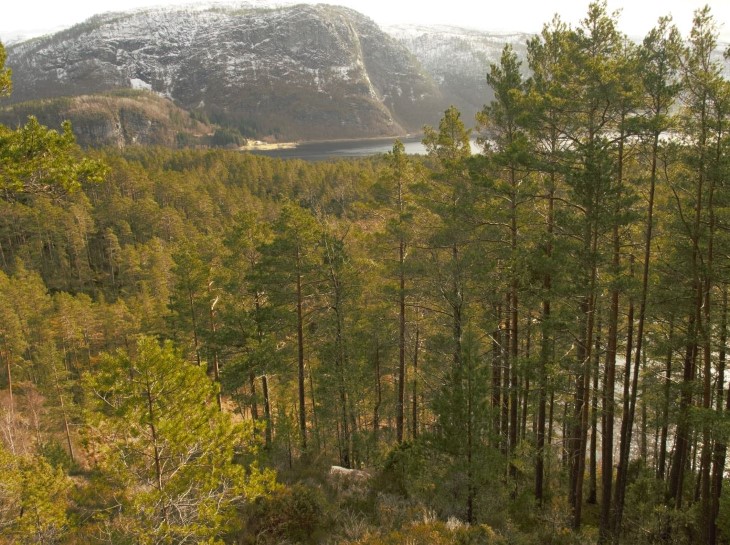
<point>593,469</point>
<point>321,444</point>
<point>193,319</point>
<point>506,370</point>
<point>267,408</point>
<point>708,520</point>
<point>583,386</point>
<point>156,452</point>
<point>514,332</point>
<point>378,397</point>
<point>514,385</point>
<point>471,488</point>
<point>66,429</point>
<point>609,408</point>
<point>643,448</point>
<point>682,437</point>
<point>300,364</point>
<point>254,404</point>
<point>9,373</point>
<point>497,377</point>
<point>661,464</point>
<point>718,462</point>
<point>216,364</point>
<point>695,325</point>
<point>626,424</point>
<point>414,418</point>
<point>400,406</point>
<point>545,343</point>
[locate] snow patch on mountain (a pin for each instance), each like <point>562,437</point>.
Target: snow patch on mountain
<point>293,70</point>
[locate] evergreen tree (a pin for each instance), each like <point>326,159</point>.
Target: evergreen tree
<point>6,85</point>
<point>290,273</point>
<point>155,431</point>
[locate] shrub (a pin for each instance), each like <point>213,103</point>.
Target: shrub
<point>295,514</point>
<point>437,533</point>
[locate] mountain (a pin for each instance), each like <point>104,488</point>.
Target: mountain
<point>296,72</point>
<point>458,59</point>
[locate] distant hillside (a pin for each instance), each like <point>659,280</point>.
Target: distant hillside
<point>120,119</point>
<point>294,72</point>
<point>458,59</point>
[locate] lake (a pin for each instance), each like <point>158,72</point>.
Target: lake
<point>342,149</point>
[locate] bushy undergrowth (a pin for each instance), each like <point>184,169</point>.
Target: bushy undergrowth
<point>294,514</point>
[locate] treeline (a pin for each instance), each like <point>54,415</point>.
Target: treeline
<point>531,340</point>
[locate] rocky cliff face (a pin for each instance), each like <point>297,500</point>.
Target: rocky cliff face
<point>120,119</point>
<point>458,59</point>
<point>294,72</point>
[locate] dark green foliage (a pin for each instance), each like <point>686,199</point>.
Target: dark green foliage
<point>402,471</point>
<point>6,85</point>
<point>57,456</point>
<point>224,138</point>
<point>295,514</point>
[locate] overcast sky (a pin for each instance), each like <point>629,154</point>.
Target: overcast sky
<point>28,18</point>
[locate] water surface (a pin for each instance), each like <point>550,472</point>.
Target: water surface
<point>340,149</point>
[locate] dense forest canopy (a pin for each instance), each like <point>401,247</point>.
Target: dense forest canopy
<point>525,345</point>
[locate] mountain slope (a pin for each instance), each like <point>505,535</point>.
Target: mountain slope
<point>293,72</point>
<point>118,119</point>
<point>458,59</point>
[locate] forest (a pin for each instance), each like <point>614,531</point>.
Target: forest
<point>526,345</point>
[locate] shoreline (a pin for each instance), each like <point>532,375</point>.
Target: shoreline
<point>259,145</point>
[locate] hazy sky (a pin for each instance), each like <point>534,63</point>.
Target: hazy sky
<point>33,17</point>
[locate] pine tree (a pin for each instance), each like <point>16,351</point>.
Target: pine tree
<point>155,430</point>
<point>290,274</point>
